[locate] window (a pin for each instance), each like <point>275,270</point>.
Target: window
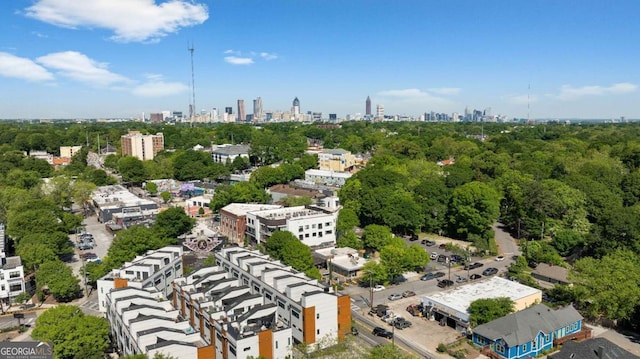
<point>319,234</point>
<point>524,347</point>
<point>319,225</point>
<point>157,281</point>
<point>306,226</point>
<point>547,338</point>
<point>246,349</point>
<point>2,287</point>
<point>15,274</point>
<point>327,224</point>
<point>318,316</point>
<point>318,331</point>
<point>313,234</point>
<point>300,229</point>
<point>534,344</point>
<point>313,226</point>
<point>178,266</point>
<point>480,340</point>
<point>168,273</point>
<point>306,235</point>
<point>500,348</point>
<point>301,237</point>
<point>328,232</point>
<point>295,314</point>
<point>281,304</point>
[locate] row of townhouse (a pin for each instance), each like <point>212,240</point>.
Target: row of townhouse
<point>246,306</point>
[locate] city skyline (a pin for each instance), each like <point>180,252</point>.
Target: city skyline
<point>122,58</point>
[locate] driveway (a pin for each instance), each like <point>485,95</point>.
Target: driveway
<point>508,246</point>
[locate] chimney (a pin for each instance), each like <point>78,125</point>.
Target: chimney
<point>600,352</point>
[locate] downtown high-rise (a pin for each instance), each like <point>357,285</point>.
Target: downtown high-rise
<point>241,115</point>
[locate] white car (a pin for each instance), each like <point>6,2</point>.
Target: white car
<point>378,288</point>
<point>433,255</point>
<point>499,258</point>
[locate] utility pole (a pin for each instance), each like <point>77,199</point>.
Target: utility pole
<point>193,87</point>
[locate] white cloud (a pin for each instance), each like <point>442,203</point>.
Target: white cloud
<point>267,56</point>
<point>238,60</point>
<point>79,67</point>
<point>412,97</point>
<point>130,20</point>
<point>230,52</point>
<point>568,92</point>
<point>22,68</point>
<point>445,90</point>
<point>157,87</point>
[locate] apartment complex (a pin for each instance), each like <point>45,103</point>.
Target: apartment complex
<point>233,219</point>
<point>144,147</point>
<point>69,151</point>
<point>337,160</point>
<point>154,271</point>
<point>314,226</point>
<point>227,153</point>
<point>11,274</point>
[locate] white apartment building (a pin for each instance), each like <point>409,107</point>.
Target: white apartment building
<point>143,322</point>
<point>11,273</point>
<point>155,270</point>
<point>69,151</point>
<point>314,226</point>
<point>227,153</point>
<point>144,147</point>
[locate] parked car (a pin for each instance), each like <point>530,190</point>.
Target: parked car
<point>475,276</point>
<point>95,260</point>
<point>413,238</point>
<point>428,243</point>
<point>456,258</point>
<point>88,255</point>
<point>85,245</point>
<point>433,255</point>
<point>473,266</point>
<point>428,276</point>
<point>408,293</point>
<point>439,274</point>
<point>394,296</point>
<point>445,283</point>
<point>378,288</point>
<point>443,246</point>
<point>354,331</point>
<point>489,271</point>
<point>442,258</point>
<point>381,332</point>
<point>499,258</point>
<point>401,324</point>
<point>461,279</point>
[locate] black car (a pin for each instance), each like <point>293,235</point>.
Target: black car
<point>354,331</point>
<point>475,276</point>
<point>439,274</point>
<point>428,276</point>
<point>442,258</point>
<point>473,266</point>
<point>489,271</point>
<point>381,332</point>
<point>445,283</point>
<point>456,258</point>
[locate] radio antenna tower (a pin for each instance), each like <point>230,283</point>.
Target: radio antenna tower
<point>193,87</point>
<point>528,107</point>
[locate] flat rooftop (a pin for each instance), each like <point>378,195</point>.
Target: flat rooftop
<point>117,196</point>
<point>458,299</point>
<point>289,212</point>
<point>241,209</point>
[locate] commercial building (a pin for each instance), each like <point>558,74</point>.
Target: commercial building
<point>450,307</point>
<point>530,332</point>
<point>327,177</point>
<point>367,106</point>
<point>227,153</point>
<point>314,226</point>
<point>336,159</point>
<point>241,114</point>
<point>144,147</point>
<point>233,219</point>
<point>69,151</point>
<point>344,264</point>
<point>108,200</point>
<point>155,271</point>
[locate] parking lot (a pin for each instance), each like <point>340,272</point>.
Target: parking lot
<point>102,240</point>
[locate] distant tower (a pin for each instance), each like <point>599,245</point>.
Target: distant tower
<point>380,112</point>
<point>296,107</point>
<point>257,109</point>
<point>368,107</point>
<point>192,107</point>
<point>241,115</point>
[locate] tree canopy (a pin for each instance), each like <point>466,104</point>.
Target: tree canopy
<point>485,310</point>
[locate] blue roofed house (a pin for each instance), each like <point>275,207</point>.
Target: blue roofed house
<point>529,332</point>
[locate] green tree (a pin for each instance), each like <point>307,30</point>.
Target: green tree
<point>132,242</point>
<point>387,351</point>
<point>173,222</point>
<point>34,254</point>
<point>474,208</point>
<point>81,193</point>
<point>376,236</point>
<point>283,245</point>
<point>151,187</point>
<point>349,239</point>
<point>293,201</point>
<point>375,272</point>
<point>347,220</point>
<point>131,170</point>
<point>610,286</point>
<point>74,335</point>
<point>485,310</point>
<point>59,278</point>
<point>166,196</point>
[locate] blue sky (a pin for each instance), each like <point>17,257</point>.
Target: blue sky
<point>119,58</point>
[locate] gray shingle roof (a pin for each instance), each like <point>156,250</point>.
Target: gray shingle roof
<point>588,349</point>
<point>232,150</point>
<point>523,326</point>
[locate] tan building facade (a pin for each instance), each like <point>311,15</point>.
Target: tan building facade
<point>144,147</point>
<point>337,159</point>
<point>69,151</point>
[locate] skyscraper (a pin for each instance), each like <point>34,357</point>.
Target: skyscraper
<point>368,106</point>
<point>380,112</point>
<point>257,109</point>
<point>241,115</point>
<point>296,107</point>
